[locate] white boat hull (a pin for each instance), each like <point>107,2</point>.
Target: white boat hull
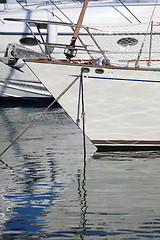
<point>107,14</point>
<point>21,84</point>
<point>122,105</point>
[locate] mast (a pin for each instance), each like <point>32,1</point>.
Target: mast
<point>71,51</point>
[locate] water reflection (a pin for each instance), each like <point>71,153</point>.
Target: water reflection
<point>116,197</point>
<point>53,193</point>
<point>33,194</point>
<point>82,198</point>
<point>44,161</point>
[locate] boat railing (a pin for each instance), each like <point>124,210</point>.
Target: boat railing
<point>119,43</point>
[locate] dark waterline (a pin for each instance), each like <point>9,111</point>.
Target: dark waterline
<point>51,193</point>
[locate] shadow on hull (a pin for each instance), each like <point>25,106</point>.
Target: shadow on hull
<point>36,102</point>
<point>131,148</point>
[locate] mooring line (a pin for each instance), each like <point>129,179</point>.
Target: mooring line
<point>83,115</point>
<point>37,118</point>
<point>6,164</point>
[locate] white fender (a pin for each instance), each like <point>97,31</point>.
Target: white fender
<point>51,37</point>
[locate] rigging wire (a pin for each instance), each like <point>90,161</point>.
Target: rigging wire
<point>122,14</point>
<point>61,12</point>
<point>129,11</point>
<point>73,29</point>
<point>142,45</point>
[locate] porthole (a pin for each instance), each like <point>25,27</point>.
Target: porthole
<point>99,71</point>
<point>29,41</point>
<point>127,41</point>
<point>86,70</point>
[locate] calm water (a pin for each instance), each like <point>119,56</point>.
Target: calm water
<point>52,193</point>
